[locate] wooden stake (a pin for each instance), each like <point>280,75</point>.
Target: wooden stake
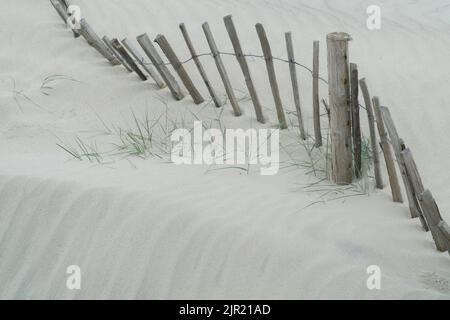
<point>295,90</point>
<point>315,98</point>
<point>232,33</point>
<point>62,12</point>
<point>221,69</point>
<point>94,40</point>
<point>356,127</point>
<point>388,157</point>
<point>118,46</point>
<point>339,99</point>
<point>272,76</point>
<point>199,65</point>
<point>144,64</point>
<point>434,218</point>
<point>373,137</point>
<point>151,52</point>
<point>179,68</point>
<point>107,42</point>
<point>445,231</point>
<point>415,181</point>
<point>396,145</point>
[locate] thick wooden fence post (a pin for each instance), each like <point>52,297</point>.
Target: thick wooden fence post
<point>119,57</point>
<point>339,99</point>
<point>118,46</point>
<point>396,145</point>
<point>232,33</point>
<point>294,80</point>
<point>94,40</point>
<point>199,65</point>
<point>221,69</point>
<point>315,95</point>
<point>373,136</point>
<point>145,65</point>
<point>356,126</point>
<point>272,76</point>
<point>445,232</point>
<point>384,143</point>
<point>179,68</point>
<point>155,58</point>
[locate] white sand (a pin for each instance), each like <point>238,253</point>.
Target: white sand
<point>149,229</point>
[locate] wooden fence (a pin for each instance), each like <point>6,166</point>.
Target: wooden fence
<point>343,108</point>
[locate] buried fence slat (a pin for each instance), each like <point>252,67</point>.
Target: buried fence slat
<point>62,12</point>
<point>153,55</point>
<point>118,46</point>
<point>119,57</point>
<point>199,65</point>
<point>315,95</point>
<point>434,218</point>
<point>373,136</point>
<point>294,80</point>
<point>221,69</point>
<point>339,102</point>
<point>145,65</point>
<point>396,145</point>
<point>232,33</point>
<point>94,40</point>
<point>445,232</point>
<point>415,181</point>
<point>179,68</point>
<point>389,159</point>
<point>356,124</point>
<point>272,76</point>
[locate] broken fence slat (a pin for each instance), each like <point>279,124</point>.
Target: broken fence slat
<point>126,56</point>
<point>119,57</point>
<point>315,95</point>
<point>440,235</point>
<point>356,124</point>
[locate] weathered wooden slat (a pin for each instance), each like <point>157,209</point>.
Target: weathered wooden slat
<point>232,33</point>
<point>373,136</point>
<point>356,126</point>
<point>339,100</point>
<point>94,40</point>
<point>294,80</point>
<point>144,64</point>
<point>396,146</point>
<point>155,58</point>
<point>315,95</point>
<point>179,68</point>
<point>62,12</point>
<point>445,231</point>
<point>199,65</point>
<point>221,69</point>
<point>267,52</point>
<point>388,157</point>
<point>433,216</point>
<point>119,57</point>
<point>415,181</point>
<point>118,46</point>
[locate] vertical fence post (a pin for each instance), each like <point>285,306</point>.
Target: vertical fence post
<point>384,143</point>
<point>272,76</point>
<point>199,65</point>
<point>153,55</point>
<point>293,73</point>
<point>315,97</point>
<point>356,127</point>
<point>373,136</point>
<point>339,99</point>
<point>221,69</point>
<point>145,65</point>
<point>244,66</point>
<point>179,68</point>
